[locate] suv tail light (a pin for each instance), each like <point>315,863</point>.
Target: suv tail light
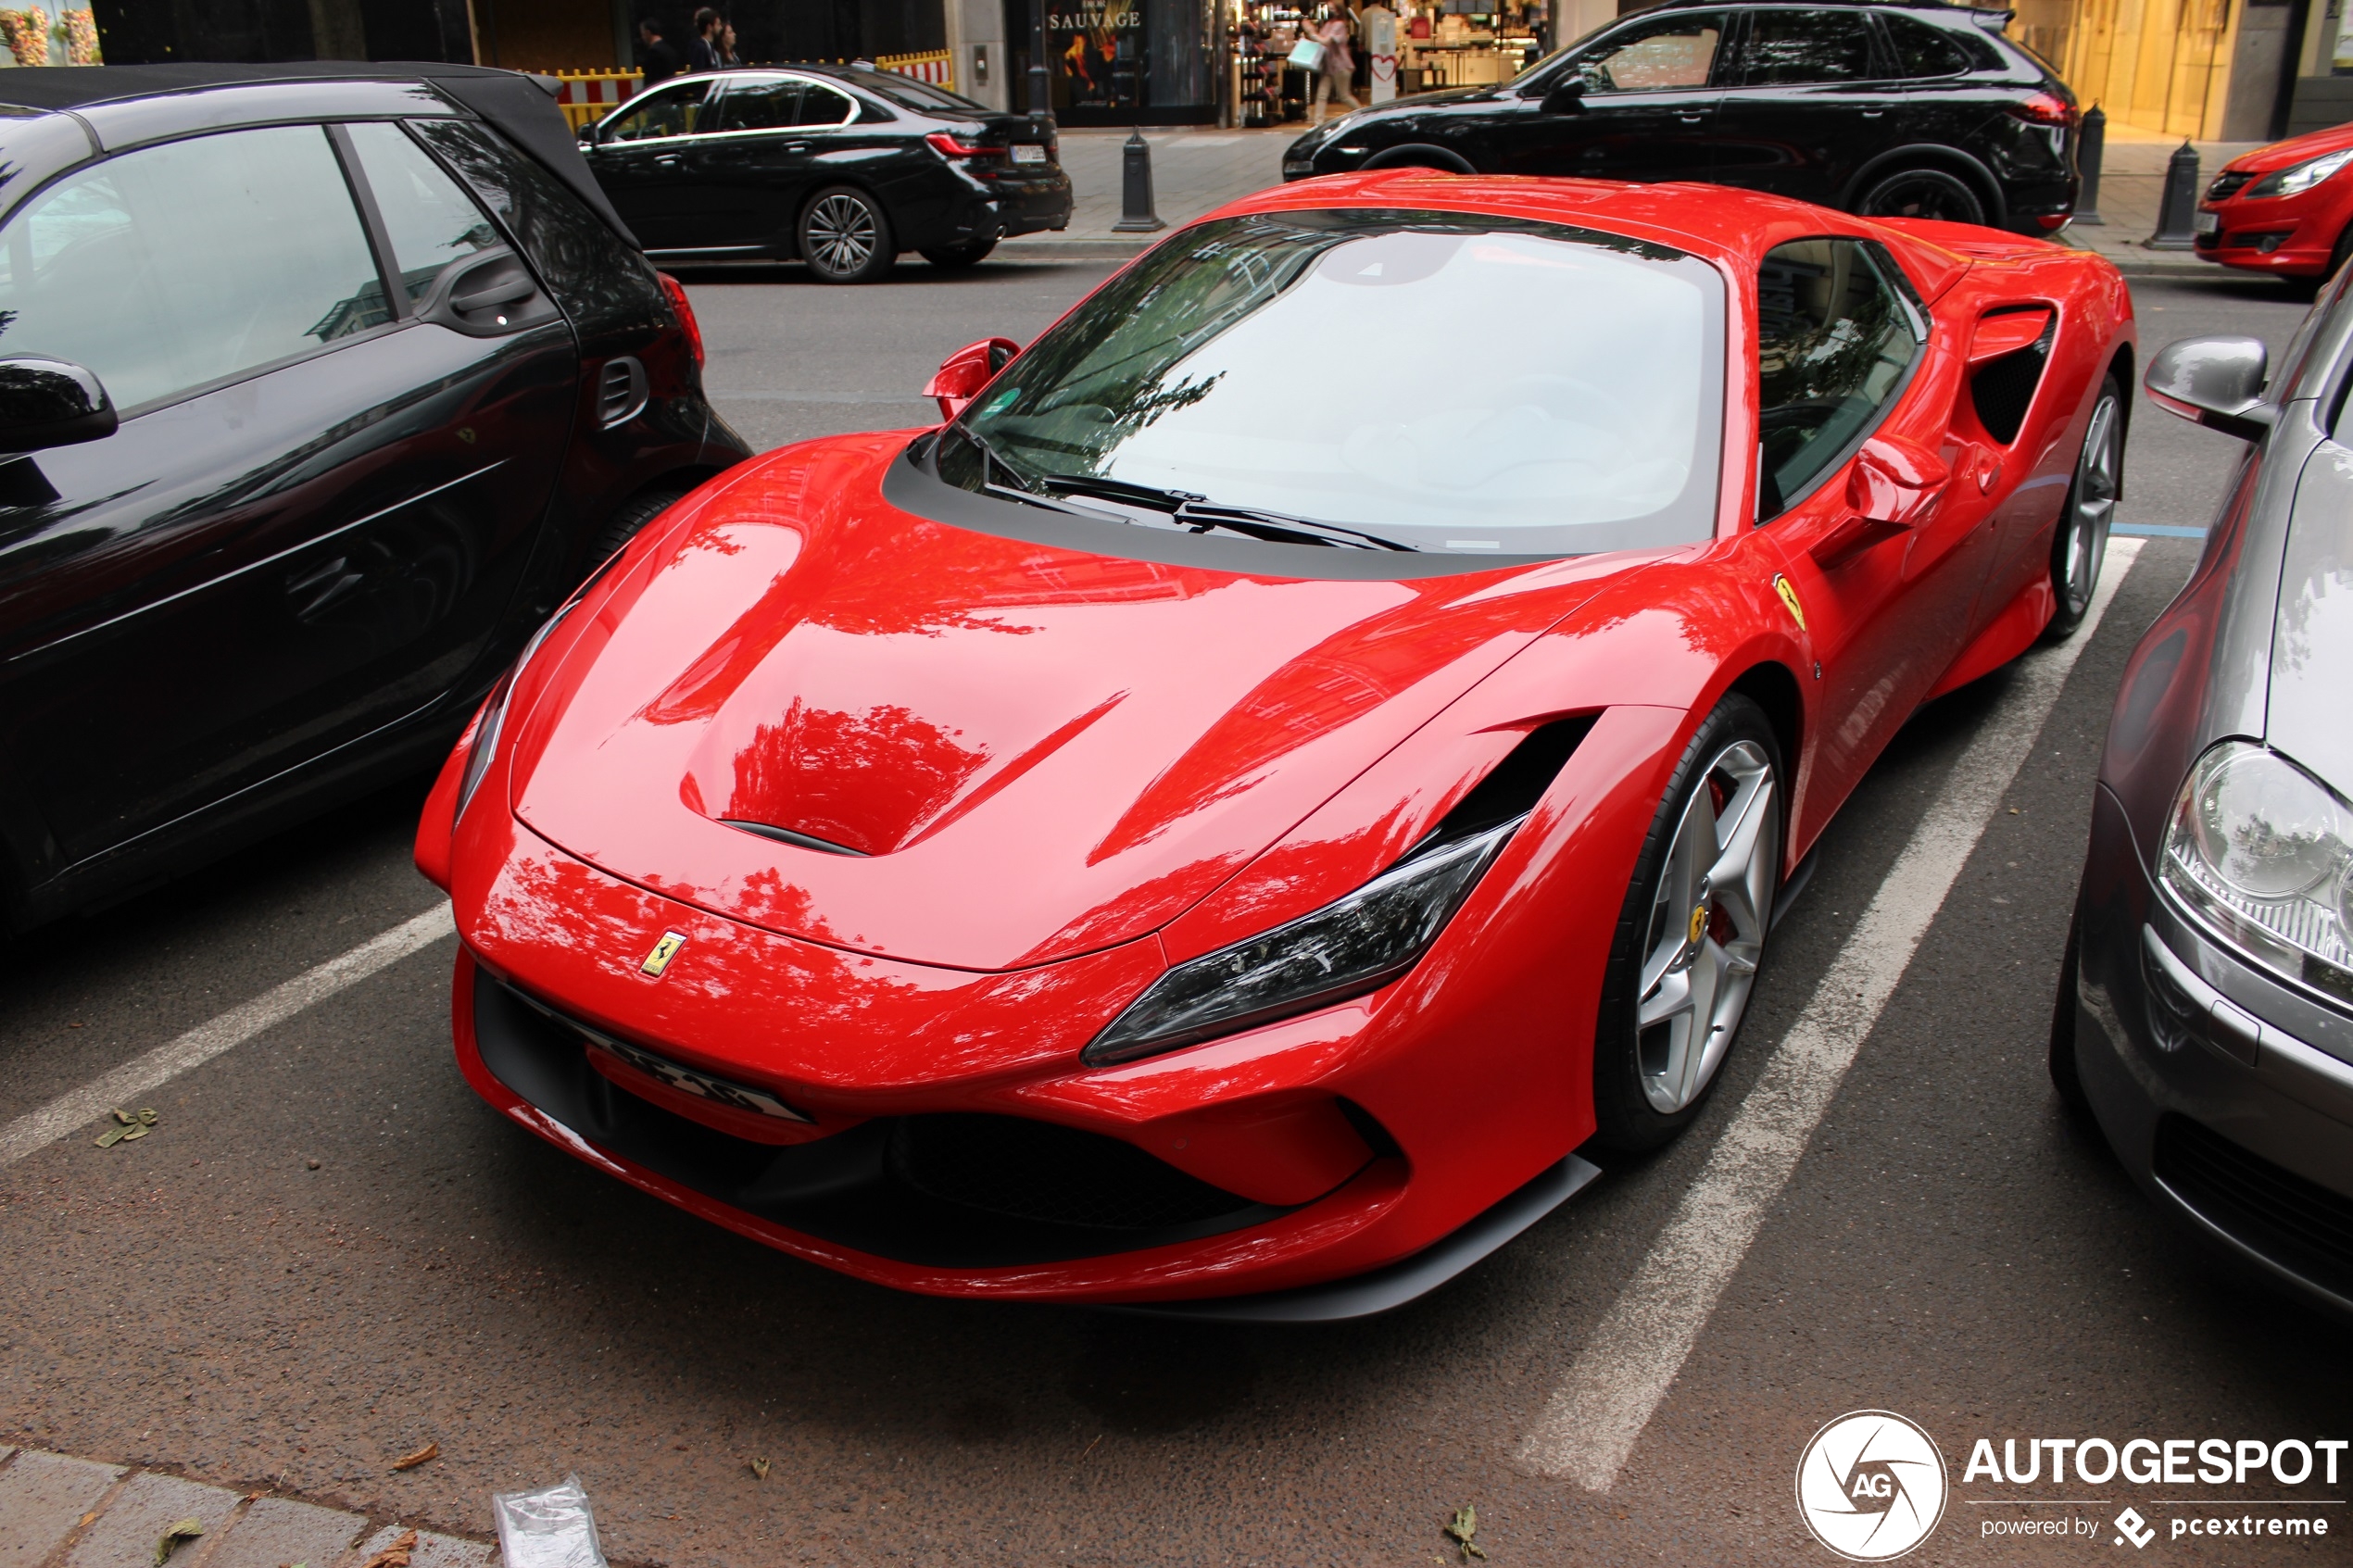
<point>2044,108</point>
<point>686,323</point>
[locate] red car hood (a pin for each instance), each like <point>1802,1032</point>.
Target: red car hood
<point>1037,752</point>
<point>2294,150</point>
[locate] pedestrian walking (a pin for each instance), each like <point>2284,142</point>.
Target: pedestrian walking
<point>656,58</point>
<point>725,41</point>
<point>702,54</point>
<point>1332,83</point>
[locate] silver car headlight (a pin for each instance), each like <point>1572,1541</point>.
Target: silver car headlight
<point>2264,852</point>
<point>2301,177</point>
<point>1350,946</point>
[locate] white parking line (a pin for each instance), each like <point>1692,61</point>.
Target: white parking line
<point>79,1107</point>
<point>1591,1422</point>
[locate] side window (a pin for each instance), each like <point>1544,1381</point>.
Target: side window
<point>821,104</point>
<point>1835,340</point>
<point>430,221</point>
<point>665,111</point>
<point>1678,51</point>
<point>176,265</point>
<point>1922,50</point>
<point>756,104</point>
<point>1797,48</point>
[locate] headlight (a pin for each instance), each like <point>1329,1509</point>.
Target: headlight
<point>2301,177</point>
<point>1357,944</point>
<point>494,712</point>
<point>2264,852</point>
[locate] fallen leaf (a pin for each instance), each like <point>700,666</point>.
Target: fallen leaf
<point>132,1135</point>
<point>87,1520</point>
<point>111,1137</point>
<point>169,1542</point>
<point>397,1554</point>
<point>1463,1527</point>
<point>125,1117</point>
<point>760,1468</point>
<point>410,1461</point>
<point>147,1117</point>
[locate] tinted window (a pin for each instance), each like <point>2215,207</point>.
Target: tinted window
<point>430,221</point>
<point>1922,50</point>
<point>665,111</point>
<point>1788,48</point>
<point>1597,430</point>
<point>908,92</point>
<point>1677,51</point>
<point>173,266</point>
<point>754,104</point>
<point>1833,343</point>
<point>823,105</point>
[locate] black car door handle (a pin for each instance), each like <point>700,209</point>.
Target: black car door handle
<point>796,146</point>
<point>1873,114</point>
<point>506,290</point>
<point>1690,117</point>
<point>667,160</point>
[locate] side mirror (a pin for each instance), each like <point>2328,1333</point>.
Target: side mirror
<point>587,134</point>
<point>963,373</point>
<point>1567,95</point>
<point>2215,382</point>
<point>47,403</point>
<point>1893,487</point>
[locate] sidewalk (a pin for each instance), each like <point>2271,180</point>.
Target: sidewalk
<point>1196,170</point>
<point>62,1512</point>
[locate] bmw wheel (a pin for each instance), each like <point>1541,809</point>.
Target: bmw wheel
<point>1691,936</point>
<point>2081,544</point>
<point>1922,193</point>
<point>845,237</point>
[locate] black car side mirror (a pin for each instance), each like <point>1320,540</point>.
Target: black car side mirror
<point>47,403</point>
<point>1565,96</point>
<point>587,134</point>
<point>2215,382</point>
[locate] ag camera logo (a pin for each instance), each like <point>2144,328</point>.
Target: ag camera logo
<point>1872,1486</point>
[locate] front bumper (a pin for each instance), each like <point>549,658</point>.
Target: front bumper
<point>2228,1096</point>
<point>2294,236</point>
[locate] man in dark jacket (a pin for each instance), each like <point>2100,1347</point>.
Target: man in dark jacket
<point>702,54</point>
<point>656,58</point>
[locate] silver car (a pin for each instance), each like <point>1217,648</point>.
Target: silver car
<point>2205,1012</point>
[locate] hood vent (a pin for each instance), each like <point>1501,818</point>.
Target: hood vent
<point>799,840</point>
<point>620,392</point>
<point>1514,786</point>
<point>2002,390</point>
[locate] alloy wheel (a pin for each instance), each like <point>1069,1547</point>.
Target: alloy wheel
<point>1706,933</point>
<point>2093,510</point>
<point>841,233</point>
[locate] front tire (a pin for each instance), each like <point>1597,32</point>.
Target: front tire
<point>2080,544</point>
<point>1922,193</point>
<point>1691,936</point>
<point>845,237</point>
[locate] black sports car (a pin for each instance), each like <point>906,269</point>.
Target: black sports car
<point>844,167</point>
<point>2206,1001</point>
<point>1910,109</point>
<point>319,387</point>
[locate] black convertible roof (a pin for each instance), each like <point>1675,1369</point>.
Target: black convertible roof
<point>522,107</point>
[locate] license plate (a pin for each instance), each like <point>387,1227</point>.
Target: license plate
<point>1029,154</point>
<point>2209,222</point>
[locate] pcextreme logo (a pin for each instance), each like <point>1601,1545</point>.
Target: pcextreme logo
<point>1872,1486</point>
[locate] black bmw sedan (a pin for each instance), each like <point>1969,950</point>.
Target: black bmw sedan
<point>319,387</point>
<point>2206,1001</point>
<point>843,167</point>
<point>1890,108</point>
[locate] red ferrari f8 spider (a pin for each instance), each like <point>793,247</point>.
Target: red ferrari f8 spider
<point>1181,833</point>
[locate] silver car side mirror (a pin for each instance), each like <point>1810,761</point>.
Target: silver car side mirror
<point>2215,382</point>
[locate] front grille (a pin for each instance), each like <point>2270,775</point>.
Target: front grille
<point>2228,184</point>
<point>2298,1224</point>
<point>1047,1174</point>
<point>947,1191</point>
<point>2003,389</point>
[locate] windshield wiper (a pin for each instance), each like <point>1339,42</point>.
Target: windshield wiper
<point>1024,489</point>
<point>1202,514</point>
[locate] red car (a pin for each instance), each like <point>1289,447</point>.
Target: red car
<point>2282,208</point>
<point>1313,740</point>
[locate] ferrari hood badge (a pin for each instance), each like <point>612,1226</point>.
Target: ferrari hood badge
<point>664,950</point>
<point>1789,598</point>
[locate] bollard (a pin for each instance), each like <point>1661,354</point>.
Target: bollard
<point>2088,152</point>
<point>1136,215</point>
<point>2177,207</point>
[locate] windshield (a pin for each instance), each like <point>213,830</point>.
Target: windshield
<point>1440,381</point>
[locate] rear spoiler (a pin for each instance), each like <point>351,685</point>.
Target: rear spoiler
<point>1991,20</point>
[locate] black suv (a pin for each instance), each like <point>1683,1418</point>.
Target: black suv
<point>843,167</point>
<point>1914,110</point>
<point>319,387</point>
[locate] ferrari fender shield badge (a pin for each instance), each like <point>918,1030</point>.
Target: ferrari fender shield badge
<point>1789,598</point>
<point>664,950</point>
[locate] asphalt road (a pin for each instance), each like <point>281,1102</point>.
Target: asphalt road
<point>329,1252</point>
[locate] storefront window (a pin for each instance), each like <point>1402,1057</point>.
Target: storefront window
<point>1124,62</point>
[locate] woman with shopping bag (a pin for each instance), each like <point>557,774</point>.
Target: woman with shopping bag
<point>1333,67</point>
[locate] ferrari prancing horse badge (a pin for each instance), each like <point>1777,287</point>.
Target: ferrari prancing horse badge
<point>1789,598</point>
<point>664,950</point>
